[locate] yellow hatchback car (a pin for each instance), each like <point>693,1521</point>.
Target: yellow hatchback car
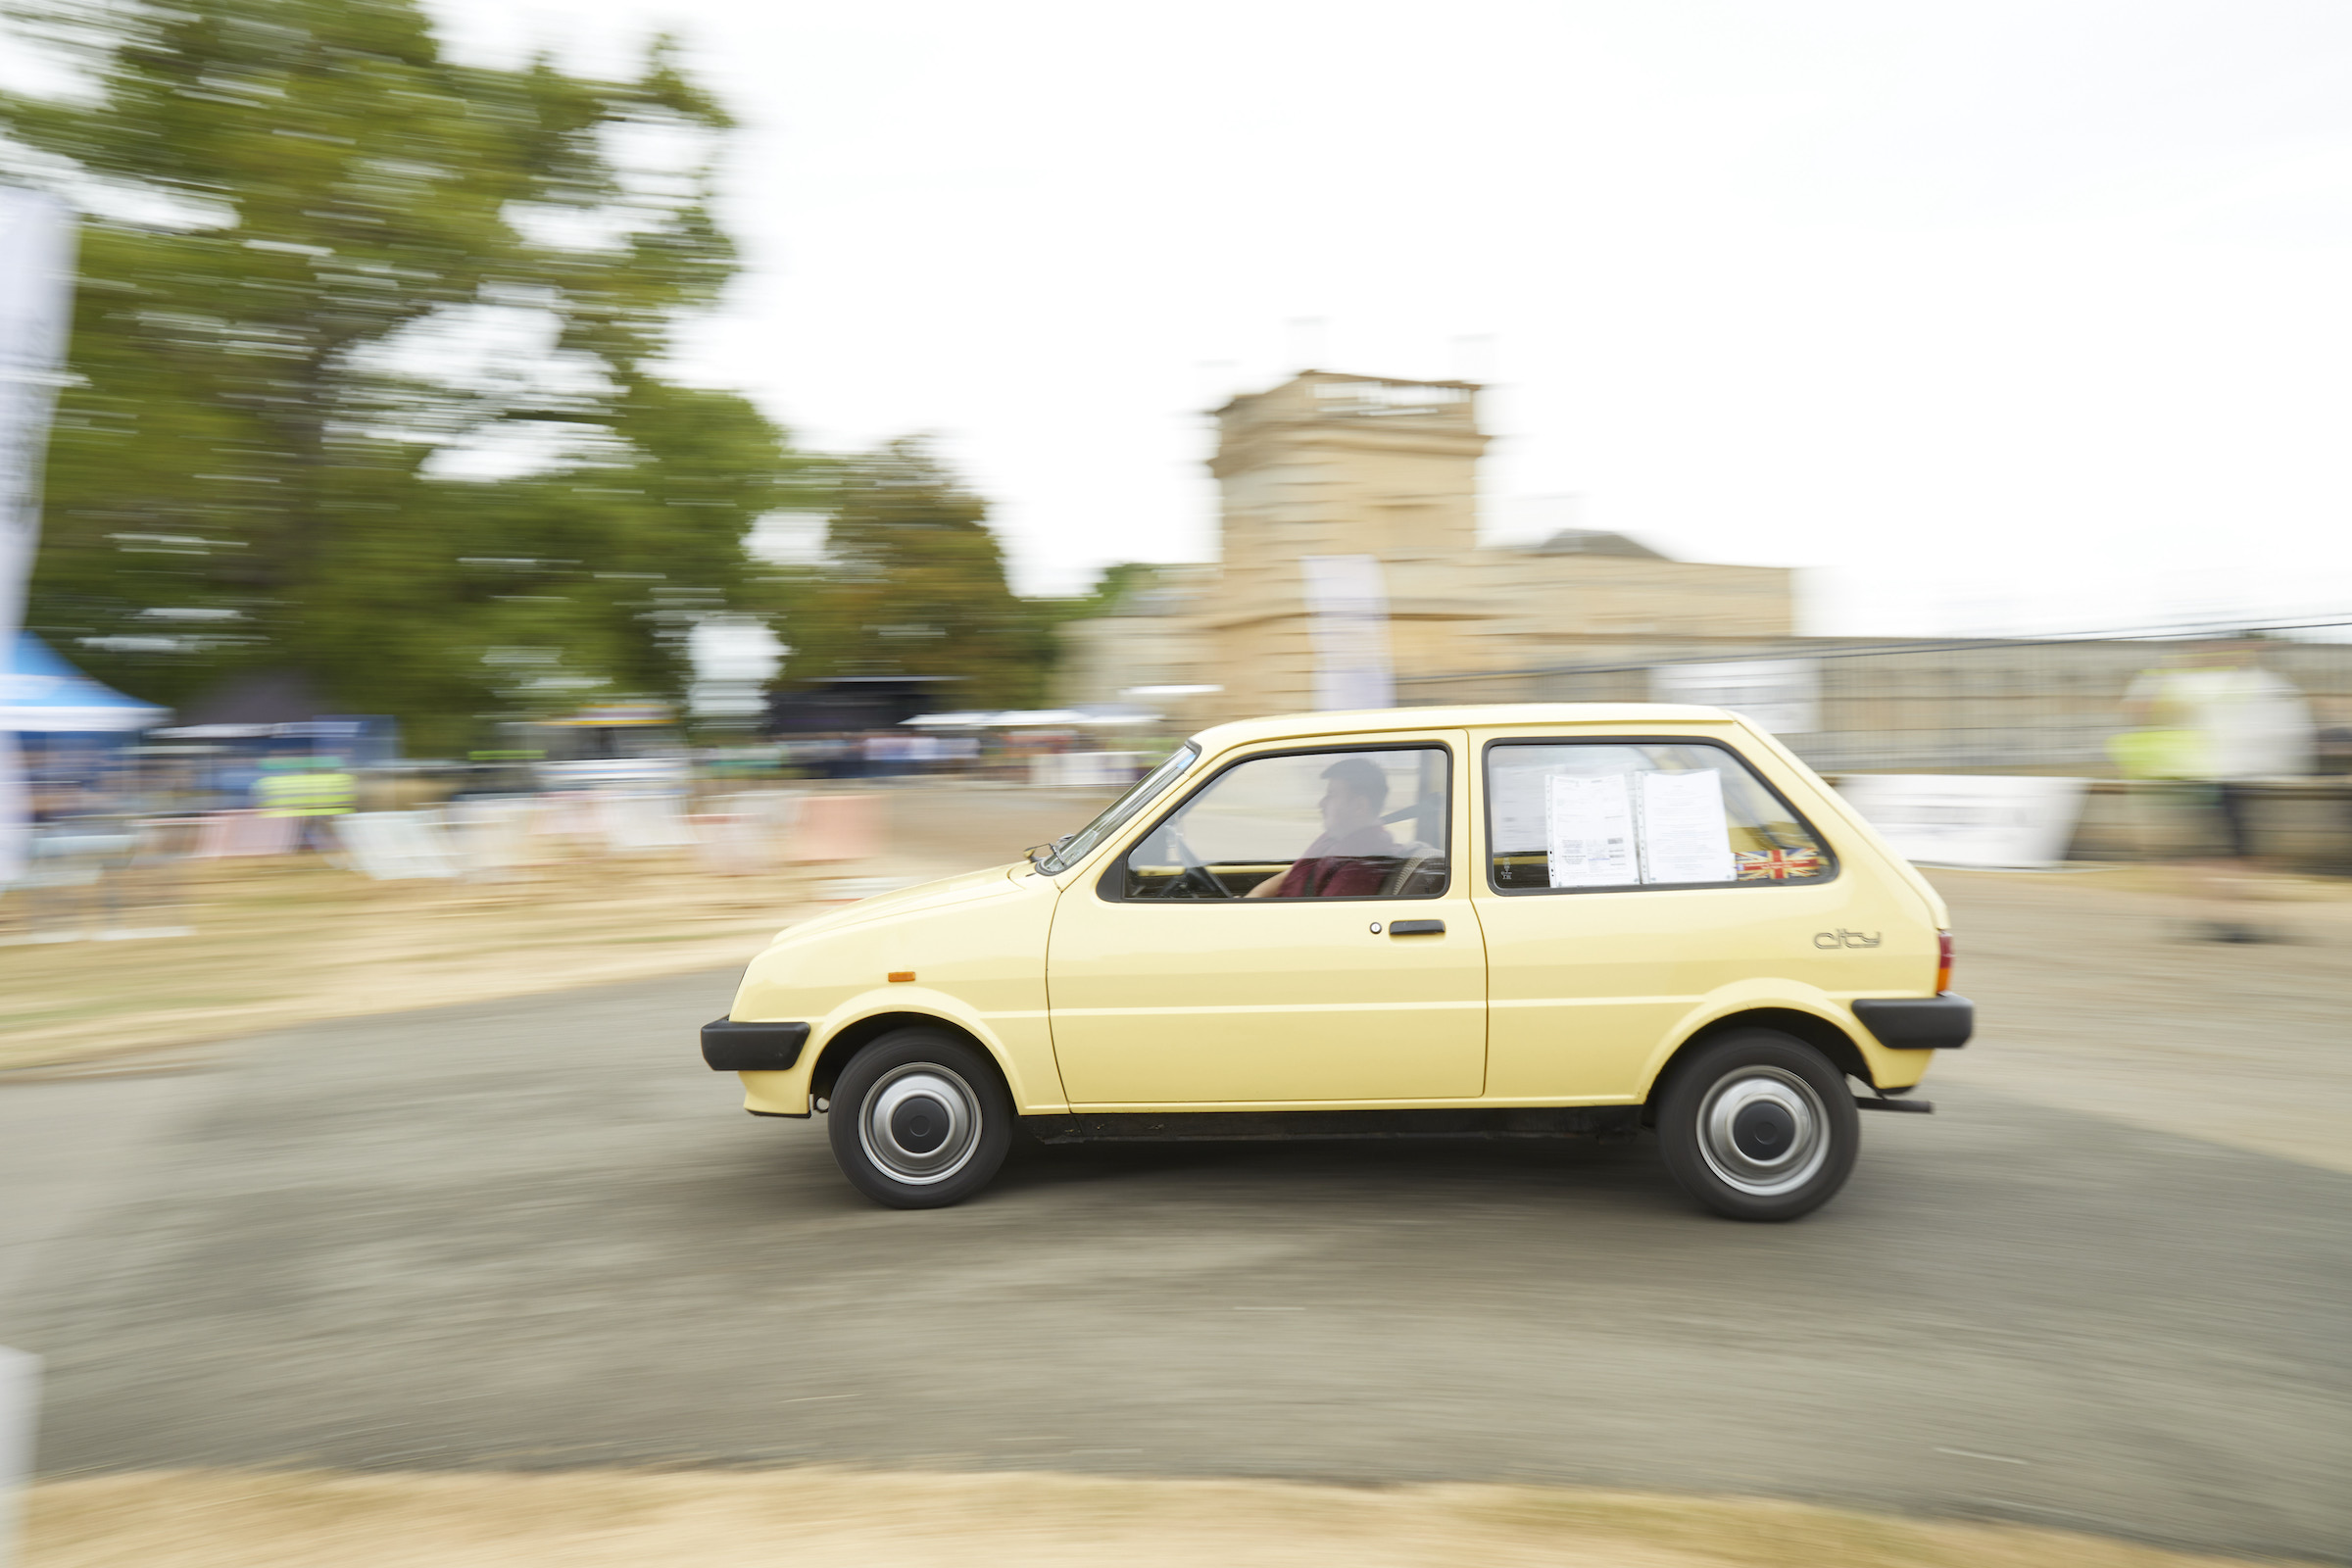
<point>1500,921</point>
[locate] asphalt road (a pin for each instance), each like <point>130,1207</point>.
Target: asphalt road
<point>537,1232</point>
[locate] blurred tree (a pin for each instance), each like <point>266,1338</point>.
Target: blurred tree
<point>364,353</point>
<point>913,584</point>
<point>1112,585</point>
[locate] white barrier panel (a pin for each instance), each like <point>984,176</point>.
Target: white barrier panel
<point>20,1399</point>
<point>63,856</point>
<point>1990,820</point>
<point>776,810</point>
<point>229,835</point>
<point>488,839</point>
<point>568,815</point>
<point>747,832</point>
<point>728,844</point>
<point>644,822</point>
<point>838,827</point>
<point>389,846</point>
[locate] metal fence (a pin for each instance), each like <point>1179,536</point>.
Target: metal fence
<point>2044,705</point>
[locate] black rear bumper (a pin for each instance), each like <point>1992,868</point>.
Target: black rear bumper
<point>1925,1023</point>
<point>731,1047</point>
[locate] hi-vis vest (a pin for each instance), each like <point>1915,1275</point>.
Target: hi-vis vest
<point>2157,752</point>
<point>2168,748</point>
<point>304,793</point>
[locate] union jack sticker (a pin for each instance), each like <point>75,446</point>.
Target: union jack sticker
<point>1776,865</point>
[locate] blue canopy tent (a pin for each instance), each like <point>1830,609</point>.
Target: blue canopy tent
<point>69,730</point>
<point>41,694</point>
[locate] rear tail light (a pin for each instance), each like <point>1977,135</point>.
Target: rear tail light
<point>1943,961</point>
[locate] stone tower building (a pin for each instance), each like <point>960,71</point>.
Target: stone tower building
<point>1334,465</point>
<point>1331,464</point>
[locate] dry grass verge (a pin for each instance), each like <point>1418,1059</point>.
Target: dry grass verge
<point>295,941</point>
<point>831,1519</point>
<point>292,939</point>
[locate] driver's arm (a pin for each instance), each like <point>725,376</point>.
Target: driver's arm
<point>1267,888</point>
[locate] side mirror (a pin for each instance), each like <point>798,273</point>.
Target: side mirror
<point>1045,852</point>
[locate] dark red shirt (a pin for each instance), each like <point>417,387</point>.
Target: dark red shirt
<point>1349,865</point>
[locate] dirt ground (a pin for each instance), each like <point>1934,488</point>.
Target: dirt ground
<point>2095,992</point>
<point>830,1519</point>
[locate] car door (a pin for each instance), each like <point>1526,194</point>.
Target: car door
<point>1294,930</point>
<point>1626,879</point>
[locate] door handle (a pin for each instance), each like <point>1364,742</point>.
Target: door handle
<point>1416,928</point>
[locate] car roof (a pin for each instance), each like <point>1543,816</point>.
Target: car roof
<point>1476,715</point>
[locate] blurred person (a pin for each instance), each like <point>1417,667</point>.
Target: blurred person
<point>314,791</point>
<point>2206,729</point>
<point>826,757</point>
<point>887,753</point>
<point>1350,859</point>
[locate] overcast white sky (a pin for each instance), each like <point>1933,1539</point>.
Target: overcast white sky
<point>1996,316</point>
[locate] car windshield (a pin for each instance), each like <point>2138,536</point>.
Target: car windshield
<point>1068,850</point>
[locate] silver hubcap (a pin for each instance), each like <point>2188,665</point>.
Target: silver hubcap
<point>920,1123</point>
<point>1763,1131</point>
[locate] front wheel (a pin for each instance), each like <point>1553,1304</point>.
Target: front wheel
<point>919,1119</point>
<point>1758,1125</point>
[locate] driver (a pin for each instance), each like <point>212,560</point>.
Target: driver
<point>1354,854</point>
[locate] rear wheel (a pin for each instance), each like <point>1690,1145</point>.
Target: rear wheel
<point>1758,1125</point>
<point>919,1119</point>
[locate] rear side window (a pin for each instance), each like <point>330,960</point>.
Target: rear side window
<point>1597,816</point>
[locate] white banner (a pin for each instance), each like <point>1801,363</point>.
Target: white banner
<point>391,846</point>
<point>1992,821</point>
<point>1782,696</point>
<point>1347,608</point>
<point>36,302</point>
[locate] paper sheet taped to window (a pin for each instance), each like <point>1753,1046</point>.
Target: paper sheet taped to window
<point>1621,829</point>
<point>1685,834</point>
<point>1589,831</point>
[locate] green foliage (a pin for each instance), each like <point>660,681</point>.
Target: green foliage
<point>301,218</point>
<point>913,584</point>
<point>1111,588</point>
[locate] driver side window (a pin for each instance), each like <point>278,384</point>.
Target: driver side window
<point>1336,824</point>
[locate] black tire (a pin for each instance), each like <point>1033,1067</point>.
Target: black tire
<point>1758,1125</point>
<point>919,1119</point>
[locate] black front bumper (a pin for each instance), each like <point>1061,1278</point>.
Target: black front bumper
<point>731,1047</point>
<point>1925,1023</point>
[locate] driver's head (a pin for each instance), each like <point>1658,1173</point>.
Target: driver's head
<point>1354,794</point>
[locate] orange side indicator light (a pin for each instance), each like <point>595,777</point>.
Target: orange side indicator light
<point>1943,961</point>
<point>900,977</point>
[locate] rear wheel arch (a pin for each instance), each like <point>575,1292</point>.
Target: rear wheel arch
<point>855,1037</point>
<point>1811,1028</point>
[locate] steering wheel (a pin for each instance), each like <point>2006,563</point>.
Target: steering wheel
<point>1197,874</point>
